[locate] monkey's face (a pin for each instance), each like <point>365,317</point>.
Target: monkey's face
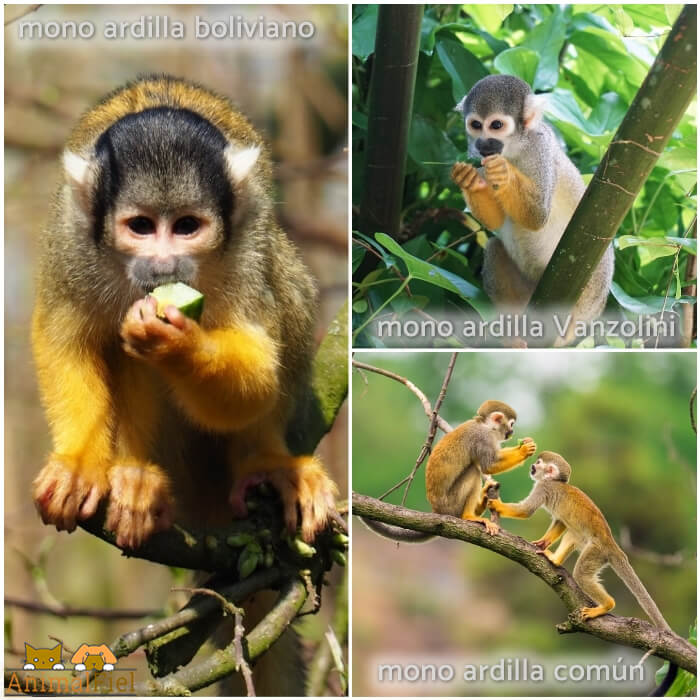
<point>501,425</point>
<point>166,190</point>
<point>546,469</point>
<point>488,134</point>
<point>159,246</point>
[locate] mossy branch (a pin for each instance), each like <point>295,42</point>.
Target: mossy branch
<point>628,631</point>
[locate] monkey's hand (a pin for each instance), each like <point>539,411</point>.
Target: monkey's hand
<point>528,447</point>
<point>495,505</point>
<point>467,177</point>
<point>147,337</point>
<point>64,493</point>
<point>496,171</point>
<point>542,543</point>
<point>140,503</point>
<point>304,487</point>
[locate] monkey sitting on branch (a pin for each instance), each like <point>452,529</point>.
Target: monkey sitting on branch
<point>582,527</point>
<point>453,475</point>
<point>526,191</point>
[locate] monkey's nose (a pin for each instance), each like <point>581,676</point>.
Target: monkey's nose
<point>489,147</point>
<point>532,470</point>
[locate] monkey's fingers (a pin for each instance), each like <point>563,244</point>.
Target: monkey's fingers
<point>63,495</point>
<point>467,177</point>
<point>496,171</point>
<point>140,503</point>
<point>541,544</point>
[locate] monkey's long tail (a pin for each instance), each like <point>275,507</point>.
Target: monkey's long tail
<point>394,532</point>
<point>621,566</point>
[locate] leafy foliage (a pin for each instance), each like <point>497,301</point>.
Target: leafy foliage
<point>590,61</point>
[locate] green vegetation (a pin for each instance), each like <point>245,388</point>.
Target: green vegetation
<point>590,61</point>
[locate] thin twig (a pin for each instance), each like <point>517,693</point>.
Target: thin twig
<point>441,422</point>
<point>427,445</point>
<point>68,611</point>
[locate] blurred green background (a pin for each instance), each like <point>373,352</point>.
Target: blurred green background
<point>622,421</point>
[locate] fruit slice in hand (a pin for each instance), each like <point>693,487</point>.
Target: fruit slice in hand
<point>189,301</point>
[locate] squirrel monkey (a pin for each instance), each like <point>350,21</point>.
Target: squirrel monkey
<point>581,526</point>
<point>453,474</point>
<point>526,191</point>
<point>170,419</point>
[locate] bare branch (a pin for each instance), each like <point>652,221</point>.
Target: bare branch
<point>68,611</point>
<point>442,424</point>
<point>628,631</point>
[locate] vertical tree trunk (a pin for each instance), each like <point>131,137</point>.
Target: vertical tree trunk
<point>657,108</point>
<point>390,107</point>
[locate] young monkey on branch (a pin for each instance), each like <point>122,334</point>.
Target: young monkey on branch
<point>453,474</point>
<point>581,525</point>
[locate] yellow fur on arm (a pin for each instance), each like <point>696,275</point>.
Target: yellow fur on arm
<point>485,208</point>
<point>230,380</point>
<point>72,381</point>
<point>519,200</point>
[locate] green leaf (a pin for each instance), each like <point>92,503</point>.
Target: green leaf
<point>364,31</point>
<point>611,51</point>
<point>607,113</point>
<point>360,306</point>
<point>463,67</point>
<point>358,255</point>
<point>659,246</point>
<point>490,17</point>
<point>425,271</point>
<point>427,143</point>
<point>646,304</point>
<point>520,62</point>
<point>546,40</point>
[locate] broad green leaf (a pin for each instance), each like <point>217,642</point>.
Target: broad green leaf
<point>462,66</point>
<point>607,113</point>
<point>646,304</point>
<point>546,40</point>
<point>520,62</point>
<point>425,271</point>
<point>562,105</point>
<point>428,28</point>
<point>364,31</point>
<point>669,244</point>
<point>358,255</point>
<point>428,144</point>
<point>611,51</point>
<point>490,17</point>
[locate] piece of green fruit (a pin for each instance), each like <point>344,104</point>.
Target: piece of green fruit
<point>189,301</point>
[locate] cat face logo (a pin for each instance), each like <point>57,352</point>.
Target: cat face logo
<point>94,657</point>
<point>42,659</point>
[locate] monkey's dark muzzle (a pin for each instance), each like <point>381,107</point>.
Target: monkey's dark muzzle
<point>489,147</point>
<point>509,433</point>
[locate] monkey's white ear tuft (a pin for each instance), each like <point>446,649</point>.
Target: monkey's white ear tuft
<point>461,105</point>
<point>498,417</point>
<point>533,110</point>
<point>240,161</point>
<point>76,168</point>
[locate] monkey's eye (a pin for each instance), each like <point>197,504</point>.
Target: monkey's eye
<point>141,225</point>
<point>186,225</point>
<point>475,124</point>
<point>496,124</point>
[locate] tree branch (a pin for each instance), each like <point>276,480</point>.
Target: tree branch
<point>628,631</point>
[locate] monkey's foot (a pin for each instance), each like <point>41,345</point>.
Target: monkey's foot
<point>63,495</point>
<point>491,528</point>
<point>592,613</point>
<point>549,555</point>
<point>304,488</point>
<point>541,544</point>
<point>467,177</point>
<point>140,503</point>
